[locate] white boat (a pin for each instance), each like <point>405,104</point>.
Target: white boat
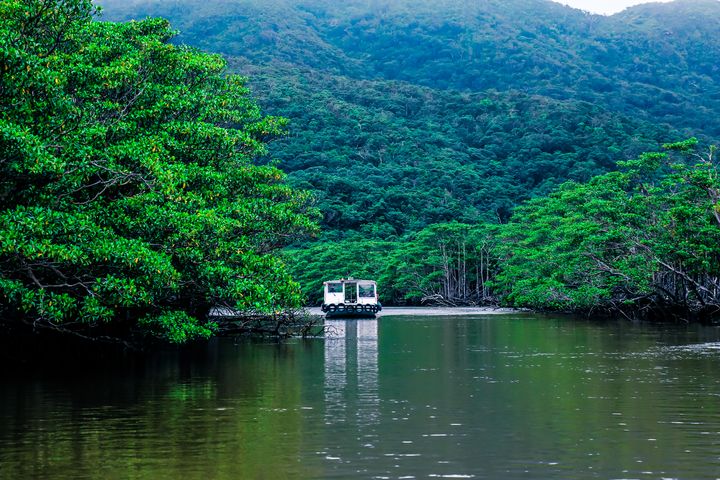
<point>349,297</point>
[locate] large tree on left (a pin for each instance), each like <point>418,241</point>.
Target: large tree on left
<point>129,200</point>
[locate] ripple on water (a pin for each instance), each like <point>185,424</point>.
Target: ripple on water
<point>450,475</point>
<point>708,348</point>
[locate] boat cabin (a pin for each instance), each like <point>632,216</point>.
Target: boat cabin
<point>349,296</point>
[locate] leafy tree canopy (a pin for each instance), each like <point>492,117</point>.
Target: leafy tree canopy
<point>642,239</point>
<point>129,200</point>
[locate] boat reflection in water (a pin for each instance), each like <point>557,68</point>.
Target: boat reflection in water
<point>351,371</point>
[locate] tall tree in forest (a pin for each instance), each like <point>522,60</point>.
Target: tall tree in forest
<point>129,201</point>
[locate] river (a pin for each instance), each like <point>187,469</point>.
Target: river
<point>512,396</point>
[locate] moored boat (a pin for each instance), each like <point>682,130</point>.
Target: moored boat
<point>349,297</point>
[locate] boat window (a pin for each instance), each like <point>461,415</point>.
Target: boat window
<point>335,287</point>
<point>366,291</point>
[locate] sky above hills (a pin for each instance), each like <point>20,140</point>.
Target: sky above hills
<point>605,7</point>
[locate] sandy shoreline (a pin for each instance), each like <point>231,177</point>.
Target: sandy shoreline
<point>433,311</point>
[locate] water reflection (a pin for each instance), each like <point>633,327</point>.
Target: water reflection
<point>351,365</point>
<point>466,397</point>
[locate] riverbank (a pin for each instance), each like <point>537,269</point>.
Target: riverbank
<point>433,311</point>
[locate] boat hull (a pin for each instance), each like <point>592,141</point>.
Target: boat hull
<point>349,315</point>
<point>351,311</point>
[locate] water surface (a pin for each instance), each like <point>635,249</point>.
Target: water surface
<point>502,396</point>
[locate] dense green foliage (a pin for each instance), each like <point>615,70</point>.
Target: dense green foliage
<point>449,263</point>
<point>642,241</point>
<point>655,61</point>
<point>391,158</point>
<point>511,113</point>
<point>358,258</point>
<point>644,238</point>
<point>421,126</point>
<point>408,116</point>
<point>129,200</point>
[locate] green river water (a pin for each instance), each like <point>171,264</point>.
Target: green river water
<point>496,397</point>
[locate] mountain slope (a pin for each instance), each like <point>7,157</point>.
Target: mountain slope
<point>388,157</point>
<point>656,61</point>
<point>404,114</point>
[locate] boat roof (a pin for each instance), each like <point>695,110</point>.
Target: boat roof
<point>345,280</point>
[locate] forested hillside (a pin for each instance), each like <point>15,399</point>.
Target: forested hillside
<point>657,61</point>
<point>406,115</point>
<point>387,158</point>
